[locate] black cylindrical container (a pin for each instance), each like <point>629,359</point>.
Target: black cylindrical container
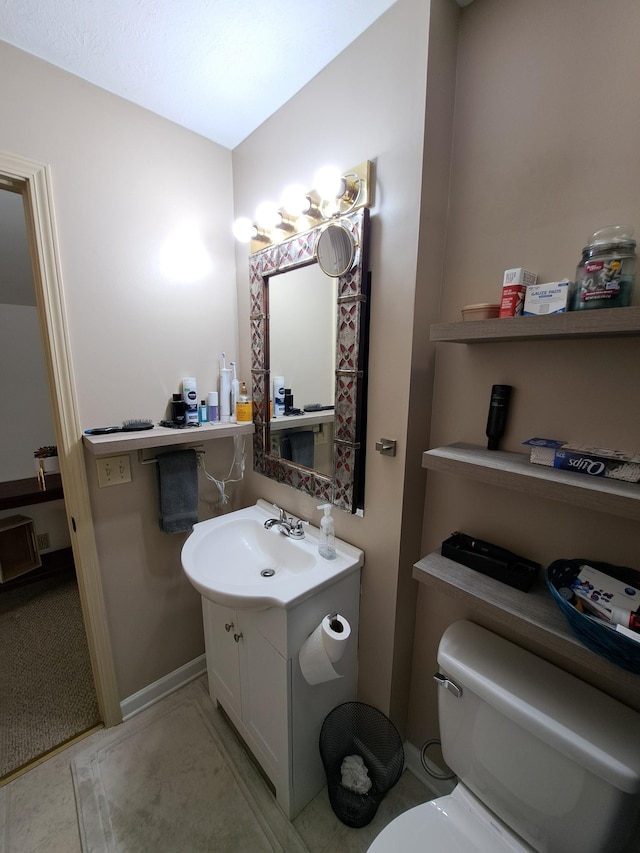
<point>497,418</point>
<point>178,409</point>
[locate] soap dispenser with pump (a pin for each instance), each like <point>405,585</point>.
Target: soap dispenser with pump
<point>327,538</point>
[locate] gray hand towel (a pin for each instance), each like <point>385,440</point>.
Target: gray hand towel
<point>302,447</point>
<point>178,486</point>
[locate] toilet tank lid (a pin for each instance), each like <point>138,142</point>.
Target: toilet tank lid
<point>593,729</point>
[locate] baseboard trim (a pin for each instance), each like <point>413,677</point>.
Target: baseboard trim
<point>437,787</point>
<point>152,693</point>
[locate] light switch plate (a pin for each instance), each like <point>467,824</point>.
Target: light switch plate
<point>113,470</point>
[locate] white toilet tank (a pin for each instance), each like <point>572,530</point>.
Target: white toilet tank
<point>557,760</point>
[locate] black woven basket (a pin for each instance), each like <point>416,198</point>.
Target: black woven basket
<point>354,728</point>
<point>595,634</point>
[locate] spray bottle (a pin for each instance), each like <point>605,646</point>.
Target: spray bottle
<point>327,538</point>
<point>225,392</point>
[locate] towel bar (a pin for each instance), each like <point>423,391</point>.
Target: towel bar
<point>152,459</point>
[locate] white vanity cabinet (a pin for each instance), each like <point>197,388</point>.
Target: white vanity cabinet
<point>255,676</point>
<point>250,679</point>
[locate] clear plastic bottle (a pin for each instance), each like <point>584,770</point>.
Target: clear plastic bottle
<point>244,406</point>
<point>327,539</point>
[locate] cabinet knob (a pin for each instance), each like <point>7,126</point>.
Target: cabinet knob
<point>228,626</point>
<point>237,637</point>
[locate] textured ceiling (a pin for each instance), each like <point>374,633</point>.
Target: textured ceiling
<point>217,67</point>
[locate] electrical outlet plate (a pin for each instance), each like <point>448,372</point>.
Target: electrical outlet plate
<point>113,470</point>
<point>320,435</point>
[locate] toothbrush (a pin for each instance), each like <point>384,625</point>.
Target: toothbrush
<point>235,391</point>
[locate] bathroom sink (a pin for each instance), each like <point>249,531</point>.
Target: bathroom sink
<point>233,560</point>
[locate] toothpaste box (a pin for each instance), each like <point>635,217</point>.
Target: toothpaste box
<point>599,462</point>
<point>549,298</point>
<point>514,285</point>
<point>584,459</point>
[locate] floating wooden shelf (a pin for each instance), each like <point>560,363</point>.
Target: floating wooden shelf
<point>515,471</point>
<point>593,323</point>
<point>25,492</point>
<point>121,442</point>
<point>533,614</point>
<point>307,419</point>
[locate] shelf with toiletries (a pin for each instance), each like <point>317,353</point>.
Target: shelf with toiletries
<point>515,471</point>
<point>305,419</point>
<point>603,323</point>
<point>159,436</point>
<point>533,613</point>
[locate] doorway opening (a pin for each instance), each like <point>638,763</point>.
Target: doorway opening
<point>32,182</point>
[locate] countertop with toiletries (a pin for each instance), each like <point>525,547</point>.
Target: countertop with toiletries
<point>305,419</point>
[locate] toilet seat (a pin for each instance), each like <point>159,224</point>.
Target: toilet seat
<point>457,823</point>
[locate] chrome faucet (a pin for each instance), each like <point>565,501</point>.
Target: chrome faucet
<point>286,526</point>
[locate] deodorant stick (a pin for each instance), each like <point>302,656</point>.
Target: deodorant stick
<point>278,396</point>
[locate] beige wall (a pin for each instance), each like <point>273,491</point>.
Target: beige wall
<point>123,179</point>
<point>368,104</point>
<point>546,140</point>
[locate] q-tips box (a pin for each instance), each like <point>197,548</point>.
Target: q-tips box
<point>583,459</point>
<point>549,298</point>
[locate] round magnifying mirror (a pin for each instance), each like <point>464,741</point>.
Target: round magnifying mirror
<point>335,250</point>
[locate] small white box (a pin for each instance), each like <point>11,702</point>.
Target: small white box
<point>519,276</point>
<point>549,298</point>
<point>514,285</point>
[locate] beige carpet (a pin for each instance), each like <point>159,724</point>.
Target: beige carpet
<point>174,779</point>
<point>47,695</point>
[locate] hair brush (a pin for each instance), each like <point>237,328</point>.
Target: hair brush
<point>133,425</point>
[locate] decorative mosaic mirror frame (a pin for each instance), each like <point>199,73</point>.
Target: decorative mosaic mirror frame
<point>345,489</point>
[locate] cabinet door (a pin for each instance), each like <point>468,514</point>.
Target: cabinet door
<point>223,662</point>
<point>265,695</point>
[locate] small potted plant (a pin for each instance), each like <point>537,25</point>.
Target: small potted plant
<point>46,459</point>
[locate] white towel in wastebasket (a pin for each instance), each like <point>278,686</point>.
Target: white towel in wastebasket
<point>355,776</point>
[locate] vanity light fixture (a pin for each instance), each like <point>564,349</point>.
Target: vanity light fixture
<point>334,194</point>
<point>284,222</point>
<point>313,207</point>
<point>261,235</point>
<point>349,191</point>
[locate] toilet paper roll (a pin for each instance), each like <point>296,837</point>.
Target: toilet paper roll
<point>324,647</point>
<point>335,632</point>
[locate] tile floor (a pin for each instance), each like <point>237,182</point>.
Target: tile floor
<point>38,811</point>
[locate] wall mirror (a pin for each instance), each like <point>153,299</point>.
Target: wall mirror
<point>311,327</point>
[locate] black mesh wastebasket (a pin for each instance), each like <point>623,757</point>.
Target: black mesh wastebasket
<point>354,728</point>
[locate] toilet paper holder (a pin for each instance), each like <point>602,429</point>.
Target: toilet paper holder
<point>334,623</point>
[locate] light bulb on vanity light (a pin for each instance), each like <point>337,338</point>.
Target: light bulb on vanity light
<point>244,230</point>
<point>267,216</point>
<point>294,200</point>
<point>328,182</point>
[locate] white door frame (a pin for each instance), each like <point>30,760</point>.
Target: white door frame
<point>57,356</point>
